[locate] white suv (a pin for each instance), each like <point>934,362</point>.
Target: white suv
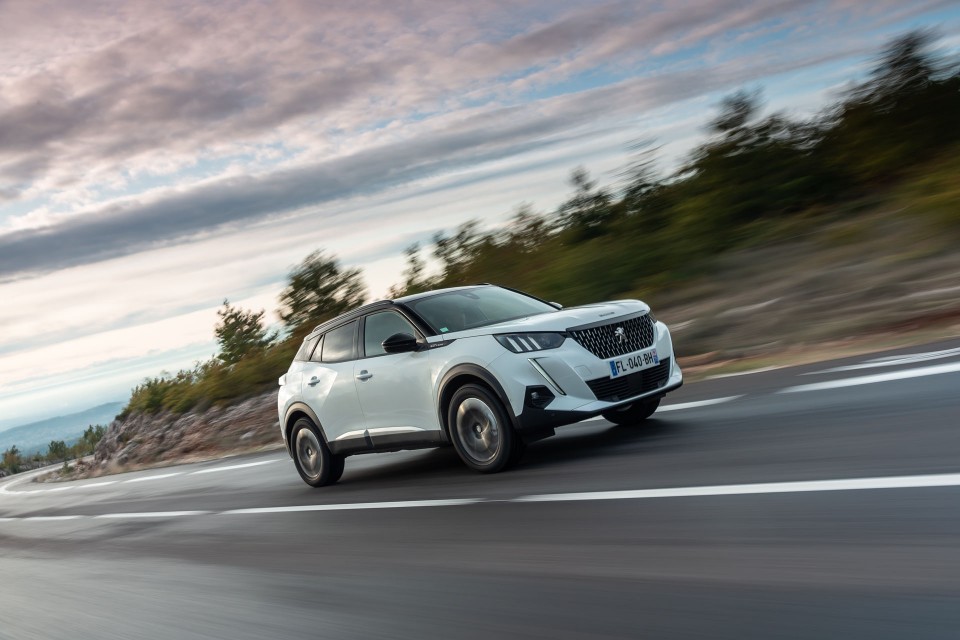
<point>484,368</point>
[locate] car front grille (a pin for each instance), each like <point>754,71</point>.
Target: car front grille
<point>632,384</point>
<point>605,342</point>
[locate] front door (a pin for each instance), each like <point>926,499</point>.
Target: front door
<point>394,388</point>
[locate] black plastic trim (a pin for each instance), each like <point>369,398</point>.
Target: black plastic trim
<point>535,421</point>
<point>386,443</point>
<point>304,408</point>
<point>478,372</point>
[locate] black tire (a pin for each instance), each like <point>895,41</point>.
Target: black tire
<point>314,462</point>
<point>336,467</point>
<point>632,414</point>
<point>480,430</point>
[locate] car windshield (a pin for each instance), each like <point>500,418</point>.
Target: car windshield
<point>471,308</point>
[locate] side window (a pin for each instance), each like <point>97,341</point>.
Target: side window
<point>338,344</point>
<point>306,348</point>
<point>380,326</point>
<point>317,351</point>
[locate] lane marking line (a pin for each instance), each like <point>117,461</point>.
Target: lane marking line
<point>354,506</point>
<point>151,514</point>
<point>96,484</point>
<point>234,466</point>
<point>697,403</point>
<point>156,477</point>
<point>803,486</point>
<point>875,378</point>
<point>736,374</point>
<point>891,361</point>
<point>679,406</point>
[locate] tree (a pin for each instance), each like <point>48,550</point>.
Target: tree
<point>12,459</point>
<point>415,279</point>
<point>239,333</point>
<point>736,110</point>
<point>588,210</point>
<point>456,253</point>
<point>319,289</point>
<point>56,451</point>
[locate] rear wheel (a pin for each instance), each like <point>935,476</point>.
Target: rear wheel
<point>481,431</point>
<point>315,464</point>
<point>633,413</point>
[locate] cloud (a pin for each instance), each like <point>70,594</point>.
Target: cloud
<point>445,142</point>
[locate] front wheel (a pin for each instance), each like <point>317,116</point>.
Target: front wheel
<point>632,414</point>
<point>481,431</point>
<point>315,464</point>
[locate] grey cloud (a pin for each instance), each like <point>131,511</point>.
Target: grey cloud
<point>130,227</point>
<point>186,81</point>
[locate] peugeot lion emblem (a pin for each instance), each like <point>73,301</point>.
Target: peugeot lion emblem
<point>620,335</point>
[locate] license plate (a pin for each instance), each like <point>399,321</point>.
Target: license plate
<point>632,363</point>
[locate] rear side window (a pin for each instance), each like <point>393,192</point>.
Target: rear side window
<point>317,351</point>
<point>309,344</point>
<point>338,345</point>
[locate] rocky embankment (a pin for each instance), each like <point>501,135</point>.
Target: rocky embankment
<point>146,440</point>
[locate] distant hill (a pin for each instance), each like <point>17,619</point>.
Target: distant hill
<point>36,436</point>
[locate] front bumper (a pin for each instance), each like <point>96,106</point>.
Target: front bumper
<point>568,373</point>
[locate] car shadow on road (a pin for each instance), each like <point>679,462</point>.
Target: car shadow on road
<point>602,440</point>
<point>580,442</point>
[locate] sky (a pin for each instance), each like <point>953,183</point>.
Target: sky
<point>158,157</point>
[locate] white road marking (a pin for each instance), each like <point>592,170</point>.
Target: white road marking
<point>804,486</point>
<point>879,377</point>
<point>745,373</point>
<point>354,506</point>
<point>156,477</point>
<point>234,466</point>
<point>152,514</point>
<point>891,361</point>
<point>680,406</point>
<point>96,484</point>
<point>697,403</point>
<point>851,484</point>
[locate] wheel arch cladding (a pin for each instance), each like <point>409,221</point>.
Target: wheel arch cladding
<point>294,413</point>
<point>469,374</point>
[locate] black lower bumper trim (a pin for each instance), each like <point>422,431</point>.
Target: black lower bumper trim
<point>535,424</point>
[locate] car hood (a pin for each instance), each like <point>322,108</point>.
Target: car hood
<point>560,320</point>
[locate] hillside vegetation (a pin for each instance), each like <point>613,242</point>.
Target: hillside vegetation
<point>885,156</point>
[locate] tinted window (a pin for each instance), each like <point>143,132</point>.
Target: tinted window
<point>316,352</point>
<point>306,349</point>
<point>338,344</point>
<point>381,326</point>
<point>469,308</point>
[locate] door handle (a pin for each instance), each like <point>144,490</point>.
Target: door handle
<point>364,375</point>
<point>314,381</point>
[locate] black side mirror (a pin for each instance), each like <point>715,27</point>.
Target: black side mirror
<point>399,343</point>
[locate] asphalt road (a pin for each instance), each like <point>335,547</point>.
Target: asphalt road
<point>802,502</point>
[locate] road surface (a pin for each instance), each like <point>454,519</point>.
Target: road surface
<point>809,502</point>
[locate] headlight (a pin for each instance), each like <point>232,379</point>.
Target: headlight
<point>527,342</point>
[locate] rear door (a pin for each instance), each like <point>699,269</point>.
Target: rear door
<point>394,388</point>
<point>328,385</point>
